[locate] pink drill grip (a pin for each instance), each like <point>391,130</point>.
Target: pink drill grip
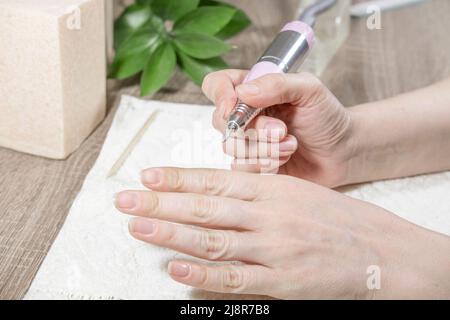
<point>266,67</point>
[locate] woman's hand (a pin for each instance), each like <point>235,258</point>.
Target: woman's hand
<point>319,140</point>
<point>294,239</point>
<point>303,120</point>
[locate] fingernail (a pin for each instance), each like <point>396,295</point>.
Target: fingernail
<point>142,226</point>
<point>226,106</point>
<point>150,176</point>
<point>289,145</point>
<point>250,89</point>
<point>223,109</point>
<point>275,130</point>
<point>179,269</point>
<point>126,200</point>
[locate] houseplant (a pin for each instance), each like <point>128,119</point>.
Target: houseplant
<point>152,37</point>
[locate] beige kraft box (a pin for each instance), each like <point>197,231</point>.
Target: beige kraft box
<point>52,74</point>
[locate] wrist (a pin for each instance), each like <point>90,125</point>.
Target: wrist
<point>355,148</point>
<point>368,146</point>
<point>417,268</point>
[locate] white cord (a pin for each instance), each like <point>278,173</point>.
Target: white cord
<point>362,9</point>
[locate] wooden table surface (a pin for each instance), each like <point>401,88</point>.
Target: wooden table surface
<point>410,51</point>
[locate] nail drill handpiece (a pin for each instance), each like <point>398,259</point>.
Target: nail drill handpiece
<point>286,53</point>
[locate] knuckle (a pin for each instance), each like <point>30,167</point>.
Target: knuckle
<point>314,82</point>
<point>153,204</point>
<point>279,80</point>
<point>215,245</point>
<point>279,86</point>
<point>174,178</point>
<point>205,278</point>
<point>234,279</point>
<point>213,182</point>
<point>169,234</point>
<point>204,208</point>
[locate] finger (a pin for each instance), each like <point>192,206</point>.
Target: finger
<point>188,208</point>
<point>261,128</point>
<point>248,279</point>
<point>268,128</point>
<point>207,181</point>
<point>219,84</point>
<point>259,165</point>
<point>219,121</point>
<point>219,88</point>
<point>214,245</point>
<point>279,89</point>
<point>255,149</point>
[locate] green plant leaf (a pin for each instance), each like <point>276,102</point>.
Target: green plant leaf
<point>206,20</point>
<point>129,65</point>
<point>173,9</point>
<point>134,17</point>
<point>133,54</point>
<point>144,2</point>
<point>157,24</point>
<point>139,41</point>
<point>200,46</point>
<point>237,24</point>
<point>197,69</point>
<point>159,69</point>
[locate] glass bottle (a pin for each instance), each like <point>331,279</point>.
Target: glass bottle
<point>331,30</point>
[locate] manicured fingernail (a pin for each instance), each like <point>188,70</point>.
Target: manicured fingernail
<point>150,176</point>
<point>126,200</point>
<point>289,145</point>
<point>226,106</point>
<point>222,109</point>
<point>179,269</point>
<point>249,89</point>
<point>275,130</point>
<point>142,226</point>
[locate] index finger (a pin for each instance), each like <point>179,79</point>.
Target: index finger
<point>221,83</point>
<point>219,88</point>
<point>232,184</point>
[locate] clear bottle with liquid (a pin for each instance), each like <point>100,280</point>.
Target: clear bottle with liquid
<point>331,30</point>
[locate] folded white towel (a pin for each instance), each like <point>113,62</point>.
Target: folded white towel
<point>94,257</point>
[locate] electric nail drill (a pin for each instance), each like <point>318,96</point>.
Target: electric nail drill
<point>286,53</point>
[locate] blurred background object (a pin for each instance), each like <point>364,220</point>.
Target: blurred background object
<point>110,7</point>
<point>332,27</point>
<point>52,74</point>
<point>331,30</point>
<point>362,8</point>
<point>152,38</point>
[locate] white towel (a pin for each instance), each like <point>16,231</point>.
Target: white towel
<point>94,257</point>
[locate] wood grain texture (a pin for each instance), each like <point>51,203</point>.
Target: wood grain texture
<point>412,50</point>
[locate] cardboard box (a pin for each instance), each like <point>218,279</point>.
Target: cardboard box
<point>52,74</point>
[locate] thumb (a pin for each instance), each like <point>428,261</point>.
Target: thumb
<point>274,89</point>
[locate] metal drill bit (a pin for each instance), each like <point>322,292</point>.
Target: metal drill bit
<point>232,127</point>
<point>226,135</point>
